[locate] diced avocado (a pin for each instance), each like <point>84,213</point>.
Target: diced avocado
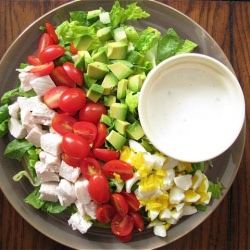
<point>88,81</point>
<point>93,14</point>
<point>97,70</point>
<point>104,34</point>
<point>109,83</point>
<point>135,131</point>
<point>131,33</point>
<point>118,111</point>
<point>135,57</point>
<point>104,17</point>
<point>100,56</point>
<point>120,34</point>
<point>83,60</point>
<point>109,100</point>
<point>117,50</point>
<point>83,43</point>
<point>116,139</point>
<point>122,88</point>
<point>95,92</point>
<point>106,119</point>
<point>135,83</point>
<point>148,146</point>
<point>121,126</point>
<point>120,69</point>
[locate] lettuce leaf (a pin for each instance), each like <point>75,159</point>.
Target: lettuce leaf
<point>215,189</point>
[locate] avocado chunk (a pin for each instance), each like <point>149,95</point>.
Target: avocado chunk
<point>120,69</point>
<point>106,119</point>
<point>135,57</point>
<point>118,111</point>
<point>116,139</point>
<point>109,100</point>
<point>83,43</point>
<point>135,131</point>
<point>131,33</point>
<point>88,80</point>
<point>83,60</point>
<point>93,14</point>
<point>109,83</point>
<point>117,50</point>
<point>121,126</point>
<point>122,88</point>
<point>100,56</point>
<point>95,92</point>
<point>135,83</point>
<point>104,34</point>
<point>120,34</point>
<point>97,70</point>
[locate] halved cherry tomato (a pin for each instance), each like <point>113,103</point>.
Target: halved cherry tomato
<point>44,41</point>
<point>104,154</point>
<point>138,221</point>
<point>92,112</point>
<point>122,226</point>
<point>75,146</point>
<point>33,60</point>
<point>51,97</point>
<point>50,53</point>
<point>72,100</point>
<point>119,203</point>
<point>74,162</point>
<point>73,49</point>
<point>75,74</point>
<point>101,134</point>
<point>132,200</point>
<point>51,31</point>
<point>43,69</point>
<point>90,166</point>
<point>124,169</point>
<point>99,188</point>
<point>105,213</point>
<point>63,124</point>
<point>125,238</point>
<point>87,130</point>
<point>60,77</point>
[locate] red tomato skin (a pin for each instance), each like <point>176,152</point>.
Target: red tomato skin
<point>125,238</point>
<point>101,135</point>
<point>50,53</point>
<point>92,112</point>
<point>60,78</point>
<point>99,188</point>
<point>33,60</point>
<point>104,154</point>
<point>105,213</point>
<point>75,74</point>
<point>44,41</point>
<point>133,202</point>
<point>72,100</point>
<point>119,203</point>
<point>63,124</point>
<point>87,130</point>
<point>51,97</point>
<point>122,226</point>
<point>75,146</point>
<point>51,31</point>
<point>124,169</point>
<point>43,69</point>
<point>73,162</point>
<point>90,166</point>
<point>73,49</point>
<point>138,221</point>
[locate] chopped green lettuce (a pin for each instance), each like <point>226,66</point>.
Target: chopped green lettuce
<point>215,189</point>
<point>132,101</point>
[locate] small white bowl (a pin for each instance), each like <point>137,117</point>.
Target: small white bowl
<point>191,107</point>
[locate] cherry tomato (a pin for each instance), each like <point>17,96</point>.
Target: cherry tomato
<point>51,31</point>
<point>119,203</point>
<point>101,134</point>
<point>75,146</point>
<point>33,60</point>
<point>72,100</point>
<point>74,162</point>
<point>138,221</point>
<point>90,166</point>
<point>63,124</point>
<point>87,130</point>
<point>51,97</point>
<point>75,74</point>
<point>60,77</point>
<point>99,188</point>
<point>104,154</point>
<point>50,53</point>
<point>44,41</point>
<point>92,112</point>
<point>122,226</point>
<point>43,69</point>
<point>105,213</point>
<point>73,49</point>
<point>125,238</point>
<point>132,200</point>
<point>124,169</point>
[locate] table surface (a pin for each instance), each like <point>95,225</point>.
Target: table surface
<point>228,22</point>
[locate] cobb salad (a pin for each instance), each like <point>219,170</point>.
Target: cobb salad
<point>74,123</point>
